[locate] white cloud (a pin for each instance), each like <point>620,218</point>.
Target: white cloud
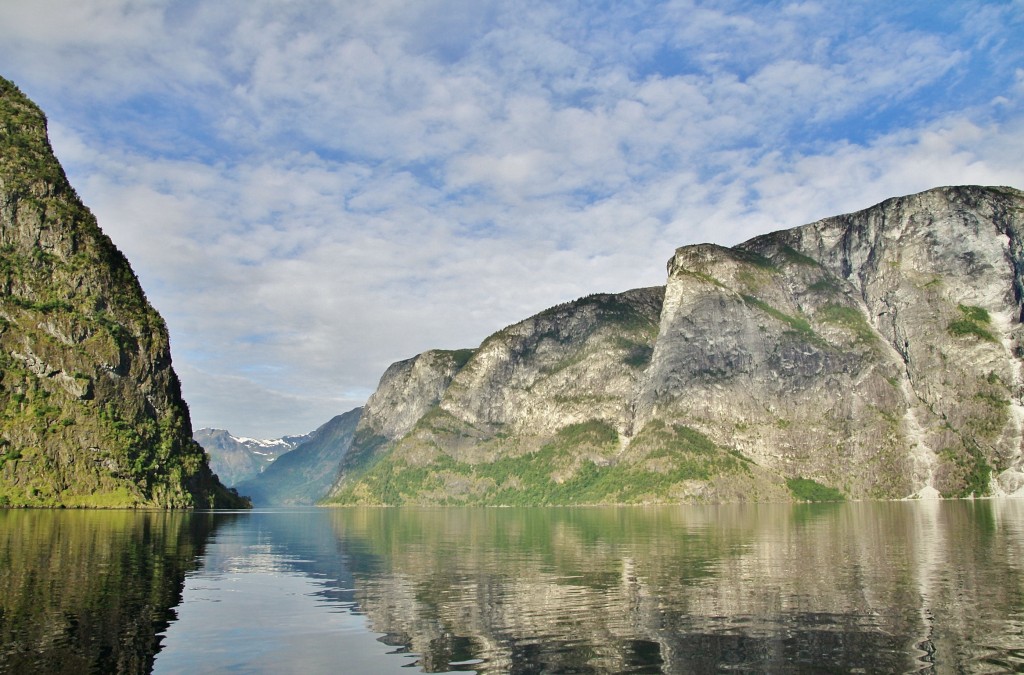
<point>312,190</point>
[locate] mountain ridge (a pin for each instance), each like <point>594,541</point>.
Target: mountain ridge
<point>304,475</point>
<point>875,354</point>
<point>238,458</point>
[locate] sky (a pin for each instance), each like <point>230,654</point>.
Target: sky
<point>312,190</point>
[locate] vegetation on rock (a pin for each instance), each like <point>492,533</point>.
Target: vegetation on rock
<point>91,413</point>
<point>808,490</point>
<point>863,350</point>
<point>973,321</point>
<point>580,465</point>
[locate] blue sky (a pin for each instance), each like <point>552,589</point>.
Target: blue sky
<point>312,190</point>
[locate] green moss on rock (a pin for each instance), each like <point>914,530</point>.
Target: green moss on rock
<point>91,413</point>
<point>808,490</point>
<point>972,322</point>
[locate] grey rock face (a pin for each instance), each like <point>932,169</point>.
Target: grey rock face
<point>408,389</point>
<point>573,363</point>
<point>877,353</point>
<point>938,275</point>
<point>773,358</point>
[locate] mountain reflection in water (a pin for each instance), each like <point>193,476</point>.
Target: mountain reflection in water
<point>89,591</point>
<point>887,587</point>
<point>877,587</point>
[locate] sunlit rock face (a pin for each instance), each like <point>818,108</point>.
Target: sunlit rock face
<point>91,412</point>
<point>573,363</point>
<point>409,389</point>
<point>876,353</point>
<point>569,373</point>
<point>773,357</point>
<point>937,277</point>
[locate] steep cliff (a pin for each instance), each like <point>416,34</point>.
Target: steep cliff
<point>90,409</point>
<point>304,475</point>
<point>543,412</point>
<point>876,354</point>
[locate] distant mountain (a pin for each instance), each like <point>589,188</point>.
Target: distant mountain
<point>91,413</point>
<point>876,354</point>
<point>236,458</point>
<point>304,475</point>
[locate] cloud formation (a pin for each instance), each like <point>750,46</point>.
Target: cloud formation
<point>312,190</point>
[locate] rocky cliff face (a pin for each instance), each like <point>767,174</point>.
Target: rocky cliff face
<point>774,357</point>
<point>542,412</point>
<point>90,409</point>
<point>876,354</point>
<point>409,389</point>
<point>938,277</point>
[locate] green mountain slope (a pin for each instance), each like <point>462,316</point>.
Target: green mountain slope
<point>91,412</point>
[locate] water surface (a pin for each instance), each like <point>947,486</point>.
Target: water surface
<point>880,587</point>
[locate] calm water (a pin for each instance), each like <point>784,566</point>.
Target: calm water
<point>888,587</point>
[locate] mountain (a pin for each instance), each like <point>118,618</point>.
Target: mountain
<point>304,475</point>
<point>91,412</point>
<point>870,355</point>
<point>235,459</point>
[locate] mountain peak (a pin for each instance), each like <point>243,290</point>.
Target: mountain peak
<point>236,459</point>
